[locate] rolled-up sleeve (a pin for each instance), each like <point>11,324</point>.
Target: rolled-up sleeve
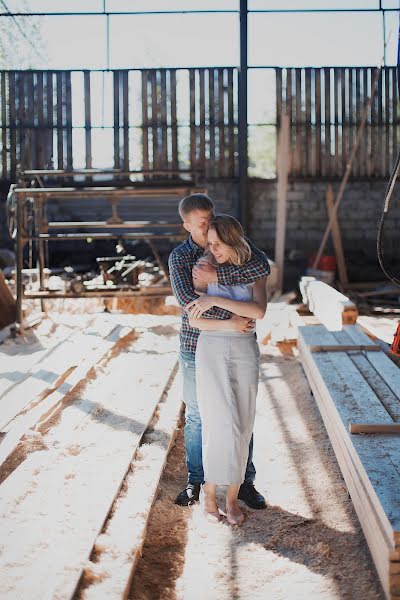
<point>180,273</point>
<point>256,268</point>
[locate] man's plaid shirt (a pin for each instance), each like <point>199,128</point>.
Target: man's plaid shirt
<point>181,261</point>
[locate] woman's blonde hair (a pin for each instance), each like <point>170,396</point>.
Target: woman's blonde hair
<point>230,232</point>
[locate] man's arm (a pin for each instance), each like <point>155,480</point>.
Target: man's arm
<point>180,273</point>
<point>256,268</point>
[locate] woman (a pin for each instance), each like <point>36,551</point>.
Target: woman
<point>227,370</point>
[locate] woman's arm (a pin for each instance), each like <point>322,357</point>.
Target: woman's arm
<point>235,323</point>
<point>254,309</point>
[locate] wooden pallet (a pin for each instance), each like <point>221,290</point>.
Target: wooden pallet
<point>361,387</point>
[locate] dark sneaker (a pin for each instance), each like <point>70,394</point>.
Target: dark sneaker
<point>249,495</point>
<point>189,495</point>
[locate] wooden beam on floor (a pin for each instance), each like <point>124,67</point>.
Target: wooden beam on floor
<point>118,548</point>
<point>343,395</point>
<point>374,428</point>
<point>67,489</point>
<point>336,237</point>
<point>331,307</point>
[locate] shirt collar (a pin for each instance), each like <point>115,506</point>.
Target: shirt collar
<point>194,247</point>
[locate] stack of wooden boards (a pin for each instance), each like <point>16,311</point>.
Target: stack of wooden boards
<point>353,381</point>
<point>331,307</point>
<point>77,425</point>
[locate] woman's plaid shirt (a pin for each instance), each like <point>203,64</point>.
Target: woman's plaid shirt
<point>181,261</point>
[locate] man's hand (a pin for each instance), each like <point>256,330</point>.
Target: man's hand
<point>197,307</point>
<point>242,324</point>
<point>204,272</point>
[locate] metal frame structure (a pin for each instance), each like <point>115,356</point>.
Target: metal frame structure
<point>113,228</point>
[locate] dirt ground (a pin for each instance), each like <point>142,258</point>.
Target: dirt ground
<point>307,544</point>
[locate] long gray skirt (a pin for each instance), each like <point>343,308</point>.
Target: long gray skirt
<point>227,373</point>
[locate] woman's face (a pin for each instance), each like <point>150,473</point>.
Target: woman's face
<point>220,251</point>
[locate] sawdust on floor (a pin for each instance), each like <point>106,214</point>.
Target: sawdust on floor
<point>307,544</point>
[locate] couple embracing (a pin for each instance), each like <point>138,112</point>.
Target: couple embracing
<point>219,279</point>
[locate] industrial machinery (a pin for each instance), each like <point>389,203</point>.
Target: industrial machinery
<point>39,215</point>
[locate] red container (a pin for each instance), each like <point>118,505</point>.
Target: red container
<point>326,263</point>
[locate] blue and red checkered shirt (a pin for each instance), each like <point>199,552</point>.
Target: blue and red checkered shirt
<point>181,261</point>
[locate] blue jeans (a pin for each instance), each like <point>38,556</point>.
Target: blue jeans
<point>194,462</point>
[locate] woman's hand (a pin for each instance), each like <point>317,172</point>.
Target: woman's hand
<point>242,324</point>
<point>204,272</point>
<point>197,307</point>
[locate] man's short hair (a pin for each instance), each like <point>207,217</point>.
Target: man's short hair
<point>195,202</point>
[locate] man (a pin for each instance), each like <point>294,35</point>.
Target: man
<point>196,212</point>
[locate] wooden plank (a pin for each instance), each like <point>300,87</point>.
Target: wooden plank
<point>88,120</point>
<point>298,149</point>
<point>231,126</point>
<point>318,149</point>
<point>119,547</point>
<point>355,401</point>
<point>49,120</point>
<point>344,348</point>
<point>60,120</point>
<point>374,428</point>
<point>20,121</point>
<point>283,167</point>
<point>12,125</point>
<point>278,100</point>
<point>372,376</point>
<point>308,157</point>
<point>48,405</point>
<point>4,168</point>
<point>27,355</point>
<point>145,122</point>
<point>374,111</point>
<point>155,119</point>
<point>379,129</point>
<point>120,424</point>
<point>193,131</point>
<point>337,159</point>
<point>174,122</point>
<point>49,374</point>
<point>381,363</point>
<point>331,307</point>
<point>163,119</point>
<point>117,150</point>
<point>41,133</point>
<point>221,124</point>
<point>30,132</point>
<point>352,133</point>
<point>336,237</point>
<point>125,119</point>
<point>327,149</point>
<point>202,123</point>
<point>357,169</point>
<point>375,536</point>
<point>386,163</point>
<point>345,151</point>
<point>68,120</point>
<point>211,91</point>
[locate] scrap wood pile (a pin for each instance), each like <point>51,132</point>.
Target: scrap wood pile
<point>85,423</point>
<point>353,381</point>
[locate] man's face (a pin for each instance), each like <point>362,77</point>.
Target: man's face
<point>196,223</point>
